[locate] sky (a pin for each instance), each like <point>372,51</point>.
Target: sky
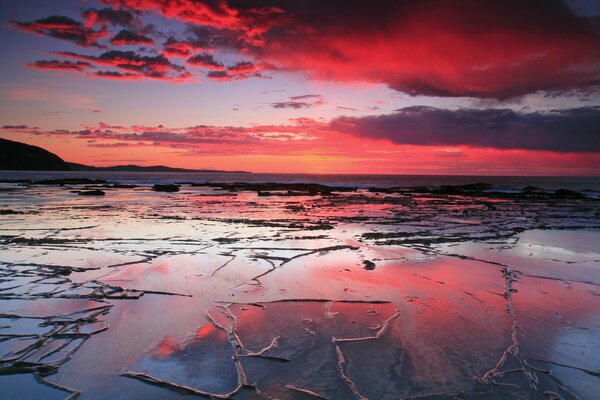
<point>464,87</point>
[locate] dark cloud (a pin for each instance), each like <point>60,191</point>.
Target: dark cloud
<point>113,75</point>
<point>16,127</point>
<point>127,37</point>
<point>183,48</point>
<point>219,76</point>
<point>111,16</point>
<point>570,130</point>
<point>205,61</point>
<point>135,66</point>
<point>292,104</point>
<point>306,97</point>
<point>64,28</point>
<point>295,102</point>
<point>249,22</point>
<point>61,65</point>
<point>438,48</point>
<point>242,67</point>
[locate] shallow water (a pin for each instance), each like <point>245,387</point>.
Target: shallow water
<point>205,292</point>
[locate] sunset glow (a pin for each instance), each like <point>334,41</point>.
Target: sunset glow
<point>384,87</point>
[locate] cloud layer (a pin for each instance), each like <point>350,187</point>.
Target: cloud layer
<point>560,131</point>
<point>571,130</point>
<point>483,49</point>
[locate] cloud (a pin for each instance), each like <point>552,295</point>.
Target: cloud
<point>307,97</point>
<point>121,17</point>
<point>474,48</point>
<point>438,48</point>
<point>134,66</point>
<point>16,127</point>
<point>183,48</point>
<point>242,67</point>
<point>248,24</point>
<point>450,143</point>
<point>219,76</point>
<point>114,75</point>
<point>206,61</point>
<point>292,104</point>
<point>189,137</point>
<point>299,102</point>
<point>481,49</point>
<point>127,37</point>
<point>570,130</point>
<point>61,65</point>
<point>64,28</point>
<point>560,131</point>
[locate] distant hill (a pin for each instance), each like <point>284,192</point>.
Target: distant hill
<point>24,157</point>
<point>21,156</point>
<point>138,168</point>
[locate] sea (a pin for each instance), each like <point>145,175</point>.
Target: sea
<point>588,185</point>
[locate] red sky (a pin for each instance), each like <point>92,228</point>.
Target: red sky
<point>428,87</point>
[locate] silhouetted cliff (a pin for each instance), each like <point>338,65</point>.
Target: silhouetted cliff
<point>21,156</point>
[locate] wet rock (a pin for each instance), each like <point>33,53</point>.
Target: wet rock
<point>70,181</point>
<point>532,189</point>
<point>24,181</point>
<point>95,192</point>
<point>226,240</point>
<point>462,189</point>
<point>288,193</point>
<point>568,194</point>
<point>10,212</point>
<point>165,188</point>
<point>369,265</point>
<point>266,188</point>
<point>384,190</point>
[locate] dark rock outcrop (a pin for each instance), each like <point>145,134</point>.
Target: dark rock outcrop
<point>165,188</point>
<point>70,181</point>
<point>95,192</point>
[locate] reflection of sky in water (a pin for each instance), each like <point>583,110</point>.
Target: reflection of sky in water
<point>561,245</point>
<point>203,362</point>
<point>448,287</point>
<point>577,347</point>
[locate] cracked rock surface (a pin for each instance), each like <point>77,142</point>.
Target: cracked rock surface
<point>291,291</point>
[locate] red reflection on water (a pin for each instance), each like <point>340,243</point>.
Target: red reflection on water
<point>206,331</point>
<point>166,347</point>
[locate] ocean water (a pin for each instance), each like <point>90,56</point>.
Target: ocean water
<point>582,184</point>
